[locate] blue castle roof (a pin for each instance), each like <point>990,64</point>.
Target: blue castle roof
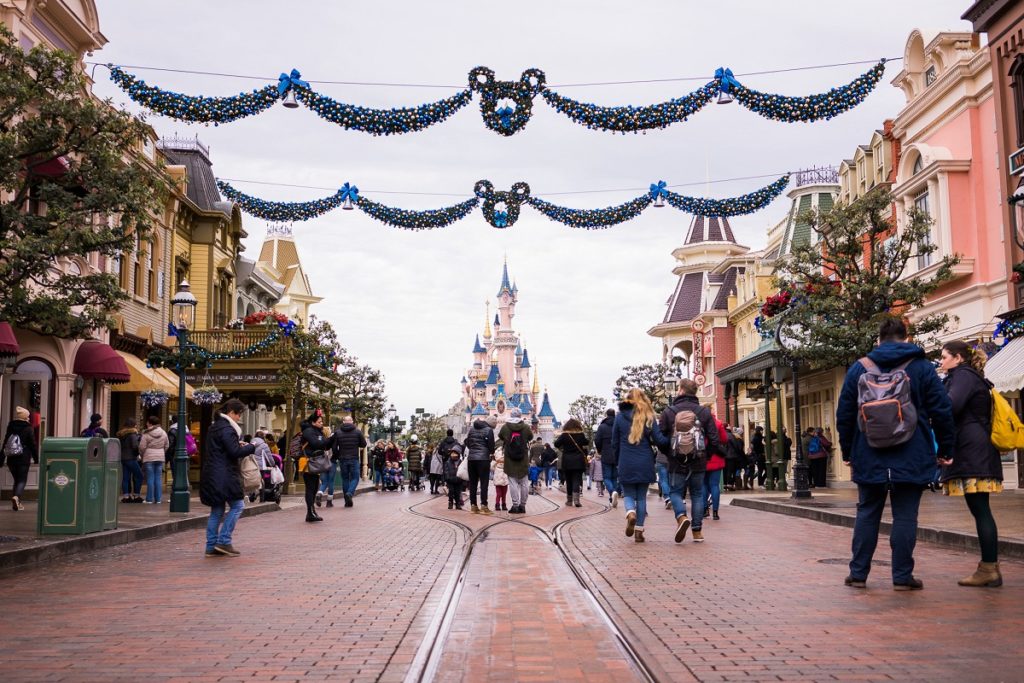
<point>497,320</point>
<point>545,408</point>
<point>480,384</point>
<point>479,410</point>
<point>494,376</point>
<point>519,349</point>
<point>506,286</point>
<point>476,346</point>
<point>526,359</point>
<point>525,406</point>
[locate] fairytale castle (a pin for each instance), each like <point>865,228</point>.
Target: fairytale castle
<point>502,377</point>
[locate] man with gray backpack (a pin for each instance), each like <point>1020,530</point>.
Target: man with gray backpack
<point>694,436</point>
<point>891,406</point>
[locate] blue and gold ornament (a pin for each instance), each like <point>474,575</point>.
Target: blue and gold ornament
<point>506,106</point>
<point>501,209</point>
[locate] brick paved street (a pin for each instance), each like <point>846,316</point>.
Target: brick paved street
<point>354,598</point>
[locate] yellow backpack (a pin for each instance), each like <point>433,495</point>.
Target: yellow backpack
<point>1007,429</point>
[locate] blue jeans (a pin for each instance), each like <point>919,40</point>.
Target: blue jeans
<point>713,487</point>
<point>634,497</point>
<point>378,476</point>
<point>663,480</point>
<point>327,479</point>
<point>154,481</point>
<point>678,484</point>
<point>549,474</point>
<point>611,478</point>
<point>131,477</point>
<point>349,476</point>
<point>218,534</point>
<point>905,500</point>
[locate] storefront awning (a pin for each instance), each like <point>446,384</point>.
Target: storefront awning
<point>1006,369</point>
<point>95,360</point>
<point>751,367</point>
<point>147,379</point>
<point>8,342</point>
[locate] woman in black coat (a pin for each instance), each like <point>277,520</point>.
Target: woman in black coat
<point>313,440</point>
<point>975,469</point>
<point>220,481</point>
<point>574,445</point>
<point>19,463</point>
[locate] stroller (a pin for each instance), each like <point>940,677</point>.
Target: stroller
<point>273,477</point>
<point>393,479</point>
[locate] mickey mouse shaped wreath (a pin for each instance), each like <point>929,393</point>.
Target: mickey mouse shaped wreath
<point>506,106</point>
<point>501,209</point>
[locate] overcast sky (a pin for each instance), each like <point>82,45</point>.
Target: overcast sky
<point>411,303</point>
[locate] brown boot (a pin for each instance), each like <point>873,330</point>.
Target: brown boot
<point>682,524</point>
<point>638,535</point>
<point>985,576</point>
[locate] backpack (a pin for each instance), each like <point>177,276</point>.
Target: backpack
<point>687,435</point>
<point>252,480</point>
<point>515,449</point>
<point>886,414</point>
<point>1007,429</point>
<point>13,446</point>
<point>814,445</point>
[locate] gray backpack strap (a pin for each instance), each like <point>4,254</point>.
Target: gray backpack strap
<point>870,365</point>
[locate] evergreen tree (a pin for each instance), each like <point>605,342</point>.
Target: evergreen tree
<point>649,378</point>
<point>589,410</point>
<point>835,290</point>
<point>69,187</point>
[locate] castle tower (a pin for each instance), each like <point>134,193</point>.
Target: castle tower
<point>546,417</point>
<point>505,340</point>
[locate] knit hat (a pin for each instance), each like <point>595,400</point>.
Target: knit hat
<point>95,419</point>
<point>21,414</point>
<point>414,438</point>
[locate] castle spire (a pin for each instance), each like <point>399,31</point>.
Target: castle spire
<point>506,286</point>
<point>487,321</point>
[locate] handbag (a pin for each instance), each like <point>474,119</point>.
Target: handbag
<point>318,463</point>
<point>276,475</point>
<point>463,471</point>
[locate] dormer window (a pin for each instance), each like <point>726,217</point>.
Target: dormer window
<point>929,76</point>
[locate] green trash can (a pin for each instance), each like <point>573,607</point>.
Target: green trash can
<point>111,483</point>
<point>71,483</point>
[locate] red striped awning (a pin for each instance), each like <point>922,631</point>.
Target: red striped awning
<point>8,342</point>
<point>95,360</point>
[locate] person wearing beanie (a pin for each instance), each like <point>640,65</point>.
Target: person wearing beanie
<point>19,450</point>
<point>95,427</point>
<point>515,437</point>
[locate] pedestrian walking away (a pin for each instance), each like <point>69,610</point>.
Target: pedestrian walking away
<point>131,469</point>
<point>548,461</point>
<point>596,472</point>
<point>451,476</point>
<point>437,461</point>
<point>536,458</point>
<point>95,427</point>
<point>515,436</point>
<point>414,459</point>
<point>735,460</point>
<point>758,451</point>
<point>694,437</point>
<point>153,448</point>
<point>348,440</point>
<point>313,444</point>
<point>19,451</point>
<point>573,444</point>
<point>609,468</point>
<point>220,480</point>
<point>975,470</point>
<point>892,453</point>
<point>714,470</point>
<point>480,446</point>
<point>635,437</point>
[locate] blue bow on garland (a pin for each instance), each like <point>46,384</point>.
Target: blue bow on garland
<point>350,192</point>
<point>286,82</point>
<point>505,116</point>
<point>725,79</point>
<point>500,219</point>
<point>658,190</point>
<point>287,328</point>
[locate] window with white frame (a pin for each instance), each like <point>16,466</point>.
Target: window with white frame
<point>921,204</point>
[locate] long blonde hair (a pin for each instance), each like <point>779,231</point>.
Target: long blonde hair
<point>643,414</point>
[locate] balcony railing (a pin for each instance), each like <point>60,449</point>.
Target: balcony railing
<point>227,341</point>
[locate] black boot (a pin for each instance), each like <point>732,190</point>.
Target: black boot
<point>348,501</point>
<point>311,517</point>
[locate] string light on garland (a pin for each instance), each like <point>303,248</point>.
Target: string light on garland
<point>819,107</point>
<point>416,220</point>
<point>283,212</point>
<point>194,108</point>
<point>591,219</point>
<point>1008,330</point>
<point>505,106</point>
<point>735,206</point>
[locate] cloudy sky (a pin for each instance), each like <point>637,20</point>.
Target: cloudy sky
<point>411,303</point>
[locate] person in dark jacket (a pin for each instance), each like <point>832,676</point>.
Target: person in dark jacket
<point>480,447</point>
<point>975,469</point>
<point>574,445</point>
<point>735,460</point>
<point>220,481</point>
<point>547,463</point>
<point>760,461</point>
<point>347,442</point>
<point>378,461</point>
<point>452,458</point>
<point>901,472</point>
<point>19,452</point>
<point>95,427</point>
<point>688,475</point>
<point>515,436</point>
<point>313,440</point>
<point>131,472</point>
<point>635,435</point>
<point>609,469</point>
<point>438,458</point>
<point>414,458</point>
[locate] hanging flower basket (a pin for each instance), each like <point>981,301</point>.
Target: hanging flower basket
<point>261,317</point>
<point>154,398</point>
<point>207,396</point>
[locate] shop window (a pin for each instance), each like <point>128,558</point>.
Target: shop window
<point>1017,83</point>
<point>31,387</point>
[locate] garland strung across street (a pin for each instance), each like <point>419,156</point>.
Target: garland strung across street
<point>500,208</point>
<point>505,106</point>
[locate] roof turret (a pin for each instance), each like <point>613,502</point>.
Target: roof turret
<point>526,359</point>
<point>477,348</point>
<point>506,286</point>
<point>479,410</point>
<point>494,377</point>
<point>545,408</point>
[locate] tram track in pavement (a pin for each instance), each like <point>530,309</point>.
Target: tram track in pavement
<point>426,663</point>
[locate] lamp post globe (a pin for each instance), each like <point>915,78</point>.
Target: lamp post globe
<point>801,480</point>
<point>183,310</point>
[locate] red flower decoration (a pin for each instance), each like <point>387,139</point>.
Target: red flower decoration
<point>262,317</point>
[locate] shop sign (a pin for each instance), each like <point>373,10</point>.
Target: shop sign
<point>238,377</point>
<point>1017,161</point>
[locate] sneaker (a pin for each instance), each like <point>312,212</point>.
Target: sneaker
<point>319,498</point>
<point>228,550</point>
<point>855,583</point>
<point>630,522</point>
<point>638,535</point>
<point>484,510</point>
<point>348,501</point>
<point>668,503</point>
<point>698,537</point>
<point>682,525</point>
<point>330,503</point>
<point>615,499</point>
<point>715,516</point>
<point>474,509</point>
<point>147,502</point>
<point>211,553</point>
<point>914,584</point>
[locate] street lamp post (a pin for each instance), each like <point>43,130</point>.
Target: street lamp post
<point>392,420</point>
<point>801,488</point>
<point>183,306</point>
<point>671,380</point>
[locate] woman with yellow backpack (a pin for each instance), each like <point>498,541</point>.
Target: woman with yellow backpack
<point>975,470</point>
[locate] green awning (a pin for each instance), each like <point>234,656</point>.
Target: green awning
<point>751,367</point>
